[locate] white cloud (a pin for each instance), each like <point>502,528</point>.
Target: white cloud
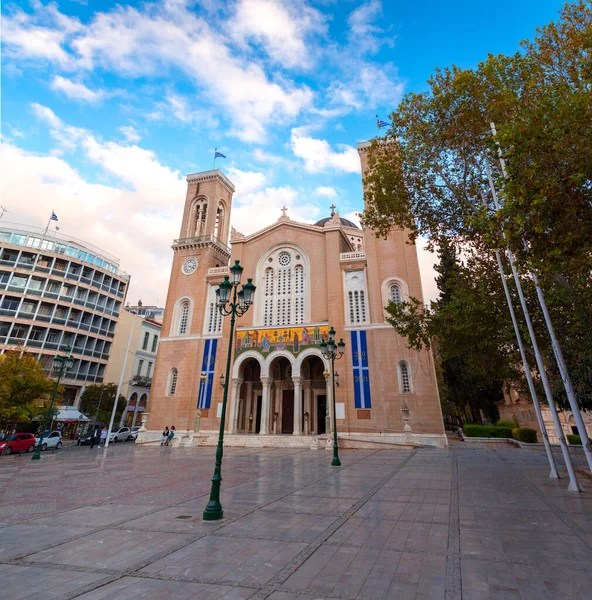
<point>76,90</point>
<point>327,192</point>
<point>280,27</point>
<point>246,182</point>
<point>160,38</point>
<point>319,157</point>
<point>364,35</point>
<point>427,261</point>
<point>261,156</point>
<point>135,223</point>
<point>38,36</point>
<point>131,135</point>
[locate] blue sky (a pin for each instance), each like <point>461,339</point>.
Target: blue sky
<point>106,106</point>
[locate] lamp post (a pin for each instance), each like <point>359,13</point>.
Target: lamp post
<point>61,364</point>
<point>333,351</point>
<point>238,306</point>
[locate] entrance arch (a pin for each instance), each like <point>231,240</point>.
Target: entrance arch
<point>316,398</point>
<point>282,393</point>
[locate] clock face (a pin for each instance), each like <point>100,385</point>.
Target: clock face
<point>189,266</point>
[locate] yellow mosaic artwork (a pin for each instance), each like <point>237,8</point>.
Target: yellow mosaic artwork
<point>293,339</point>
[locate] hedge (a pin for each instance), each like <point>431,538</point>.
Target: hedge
<point>574,438</point>
<point>507,423</point>
<point>488,431</point>
<point>524,434</point>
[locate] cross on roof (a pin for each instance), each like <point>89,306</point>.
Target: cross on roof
<point>332,207</point>
<point>284,209</point>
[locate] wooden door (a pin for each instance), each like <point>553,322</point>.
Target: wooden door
<point>288,411</point>
<point>321,413</point>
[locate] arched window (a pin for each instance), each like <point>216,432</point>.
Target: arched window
<point>395,293</point>
<point>284,288</point>
<point>357,309</point>
<point>184,317</point>
<point>404,377</point>
<point>174,374</point>
<point>213,315</point>
<point>219,222</point>
<point>200,212</point>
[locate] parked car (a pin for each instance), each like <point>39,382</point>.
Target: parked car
<point>120,435</point>
<point>134,433</point>
<point>18,442</point>
<point>52,439</point>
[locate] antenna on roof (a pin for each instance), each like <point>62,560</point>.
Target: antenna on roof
<point>2,211</point>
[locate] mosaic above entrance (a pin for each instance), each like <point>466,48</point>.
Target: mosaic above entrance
<point>292,339</point>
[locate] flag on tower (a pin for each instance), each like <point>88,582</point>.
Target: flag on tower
<point>381,123</point>
<point>219,154</point>
<point>54,217</point>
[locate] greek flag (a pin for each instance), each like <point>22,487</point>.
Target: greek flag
<point>381,123</point>
<point>219,154</point>
<point>54,217</point>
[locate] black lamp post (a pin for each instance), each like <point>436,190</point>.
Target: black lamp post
<point>240,304</point>
<point>333,351</point>
<point>61,364</point>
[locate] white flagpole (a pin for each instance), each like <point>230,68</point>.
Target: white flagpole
<point>129,341</point>
<point>214,165</point>
<point>574,486</point>
<point>48,223</point>
<point>557,351</point>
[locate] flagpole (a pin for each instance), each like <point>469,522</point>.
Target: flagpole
<point>48,223</point>
<point>214,165</point>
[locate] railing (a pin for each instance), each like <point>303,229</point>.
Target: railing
<point>201,239</point>
<point>352,256</point>
<point>141,380</point>
<point>218,271</point>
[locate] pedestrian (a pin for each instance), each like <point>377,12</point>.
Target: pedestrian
<point>2,435</point>
<point>171,435</point>
<point>165,436</point>
<point>103,437</point>
<point>94,436</point>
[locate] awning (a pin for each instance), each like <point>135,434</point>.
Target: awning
<point>70,413</point>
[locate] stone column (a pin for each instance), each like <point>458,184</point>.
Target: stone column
<point>328,415</point>
<point>249,406</point>
<point>297,405</point>
<point>265,401</point>
<point>236,383</point>
<point>308,405</point>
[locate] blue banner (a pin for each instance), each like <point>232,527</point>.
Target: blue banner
<point>207,367</point>
<point>361,373</point>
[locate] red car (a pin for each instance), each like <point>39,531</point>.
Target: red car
<point>19,442</point>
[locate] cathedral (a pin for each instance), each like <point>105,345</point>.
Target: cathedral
<point>309,278</point>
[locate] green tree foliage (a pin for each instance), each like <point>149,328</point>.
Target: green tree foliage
<point>25,388</point>
<point>429,177</point>
<point>97,401</point>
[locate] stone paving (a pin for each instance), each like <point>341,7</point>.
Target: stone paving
<point>468,523</point>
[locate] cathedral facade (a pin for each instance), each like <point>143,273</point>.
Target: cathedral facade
<point>309,278</point>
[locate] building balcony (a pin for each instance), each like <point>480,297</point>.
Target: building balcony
<point>141,381</point>
<point>352,256</point>
<point>203,241</point>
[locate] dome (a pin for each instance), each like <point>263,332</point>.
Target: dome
<point>344,222</point>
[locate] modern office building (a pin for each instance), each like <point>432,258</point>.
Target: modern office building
<point>57,291</point>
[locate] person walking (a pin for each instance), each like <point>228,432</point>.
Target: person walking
<point>165,436</point>
<point>103,437</point>
<point>94,436</point>
<point>171,435</point>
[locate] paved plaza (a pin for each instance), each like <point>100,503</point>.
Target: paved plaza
<point>470,523</point>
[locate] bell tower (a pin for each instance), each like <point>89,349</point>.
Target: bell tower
<point>191,323</point>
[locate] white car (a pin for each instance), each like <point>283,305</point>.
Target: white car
<point>134,433</point>
<point>51,439</point>
<point>120,435</point>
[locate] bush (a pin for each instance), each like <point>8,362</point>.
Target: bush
<point>524,434</point>
<point>574,438</point>
<point>488,431</point>
<point>506,423</point>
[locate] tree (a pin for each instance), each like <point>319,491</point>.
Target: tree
<point>429,175</point>
<point>97,401</point>
<point>25,388</point>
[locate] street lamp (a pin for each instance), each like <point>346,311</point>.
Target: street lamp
<point>61,364</point>
<point>333,351</point>
<point>240,304</point>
